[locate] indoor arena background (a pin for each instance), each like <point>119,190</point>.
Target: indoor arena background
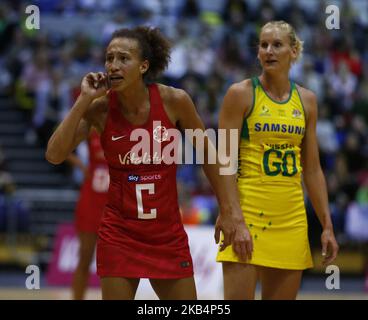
<point>214,45</point>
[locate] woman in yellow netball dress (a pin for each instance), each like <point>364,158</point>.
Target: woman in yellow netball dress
<point>276,120</point>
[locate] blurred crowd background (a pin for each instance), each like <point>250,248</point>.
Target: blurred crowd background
<point>214,45</point>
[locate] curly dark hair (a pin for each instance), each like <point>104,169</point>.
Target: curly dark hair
<point>153,46</point>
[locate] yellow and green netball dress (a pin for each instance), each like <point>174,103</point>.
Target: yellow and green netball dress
<point>269,182</point>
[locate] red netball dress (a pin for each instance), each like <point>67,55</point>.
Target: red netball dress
<point>93,193</point>
<point>141,233</point>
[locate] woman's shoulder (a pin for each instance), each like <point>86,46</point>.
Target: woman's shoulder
<point>177,102</point>
<point>240,95</point>
<point>171,94</point>
<point>242,87</point>
<point>309,100</point>
<point>307,96</point>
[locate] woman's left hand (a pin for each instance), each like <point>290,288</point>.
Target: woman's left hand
<point>330,247</point>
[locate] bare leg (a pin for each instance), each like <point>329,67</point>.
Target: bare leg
<point>114,288</point>
<point>175,289</point>
<point>87,242</point>
<point>280,284</point>
<point>240,280</point>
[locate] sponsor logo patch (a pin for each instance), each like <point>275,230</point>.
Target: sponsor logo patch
<point>160,134</point>
<point>296,113</point>
<point>133,178</point>
<point>265,111</point>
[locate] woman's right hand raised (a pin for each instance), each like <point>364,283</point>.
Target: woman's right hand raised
<point>95,85</point>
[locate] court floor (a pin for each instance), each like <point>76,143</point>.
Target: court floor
<point>12,287</point>
<point>95,294</point>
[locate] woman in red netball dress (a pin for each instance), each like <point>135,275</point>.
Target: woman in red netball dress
<point>141,233</point>
<point>89,209</point>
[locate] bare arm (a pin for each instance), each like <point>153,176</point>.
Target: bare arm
<point>236,104</point>
<point>76,125</point>
<point>314,179</point>
<point>185,114</point>
<point>231,116</point>
<point>188,118</point>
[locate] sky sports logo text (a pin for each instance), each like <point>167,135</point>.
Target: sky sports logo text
<point>133,178</point>
<point>150,177</point>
